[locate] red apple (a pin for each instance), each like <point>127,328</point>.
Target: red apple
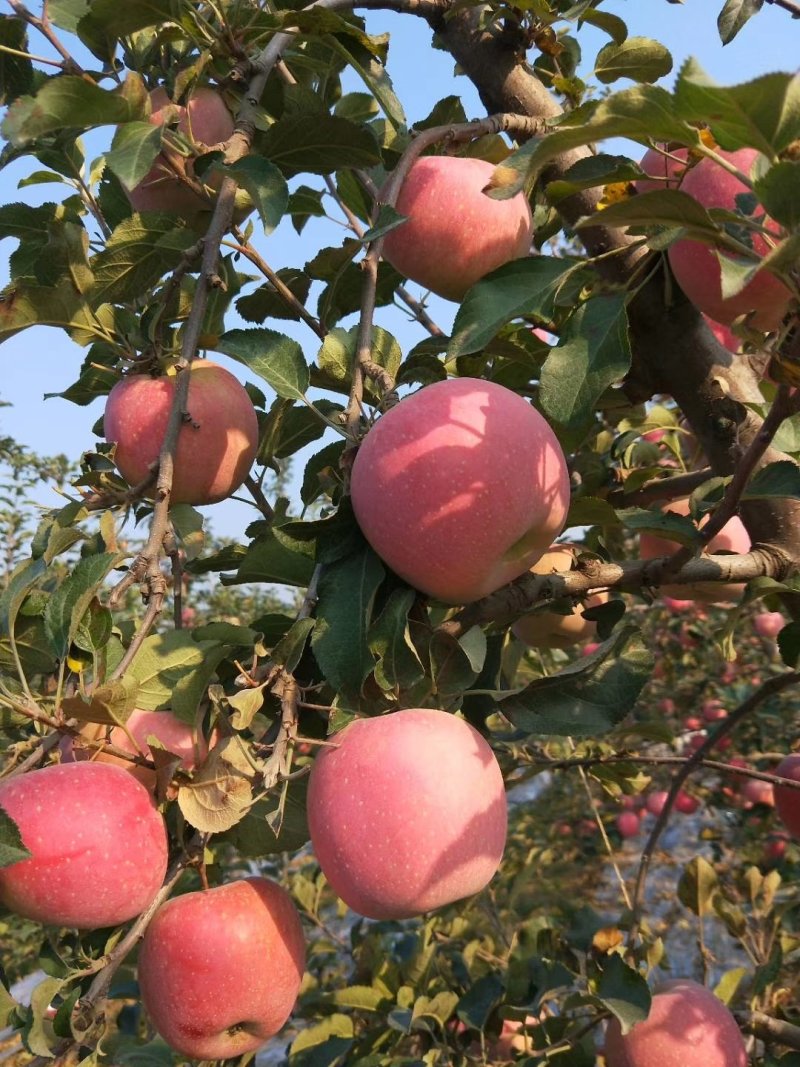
<point>713,711</point>
<point>686,804</point>
<point>769,623</point>
<point>217,443</point>
<point>455,233</point>
<point>204,122</point>
<point>787,800</point>
<point>656,801</point>
<point>665,166</point>
<point>460,488</point>
<point>775,848</point>
<point>696,266</point>
<point>98,846</point>
<point>724,334</point>
<point>693,723</point>
<point>732,538</point>
<point>754,791</point>
<point>687,1027</point>
<point>548,629</point>
<point>407,812</point>
<point>673,606</point>
<point>627,823</point>
<point>220,970</point>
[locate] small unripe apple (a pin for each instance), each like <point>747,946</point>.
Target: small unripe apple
<point>787,800</point>
<point>455,233</point>
<point>460,488</point>
<point>220,970</point>
<point>407,812</point>
<point>769,623</point>
<point>98,846</point>
<point>627,823</point>
<point>548,629</point>
<point>687,1027</point>
<point>203,122</point>
<point>217,442</point>
<point>696,266</point>
<point>733,537</point>
<point>666,166</point>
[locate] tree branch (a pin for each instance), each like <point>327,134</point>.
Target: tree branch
<point>772,1031</point>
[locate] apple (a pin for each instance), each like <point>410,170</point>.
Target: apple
<point>589,648</point>
<point>177,737</point>
<point>220,969</point>
<point>769,623</point>
<point>713,711</point>
<point>754,791</point>
<point>217,443</point>
<point>733,537</point>
<point>687,1027</point>
<point>724,334</point>
<point>98,846</point>
<point>676,607</point>
<point>787,800</point>
<point>455,233</point>
<point>627,823</point>
<point>548,629</point>
<point>407,812</point>
<point>203,122</point>
<point>685,803</point>
<point>656,801</point>
<point>693,723</point>
<point>696,266</point>
<point>775,848</point>
<point>665,167</point>
<point>460,488</point>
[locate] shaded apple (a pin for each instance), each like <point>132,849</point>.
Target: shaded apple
<point>217,443</point>
<point>220,970</point>
<point>769,623</point>
<point>665,166</point>
<point>687,1027</point>
<point>549,629</point>
<point>696,266</point>
<point>628,824</point>
<point>455,233</point>
<point>98,846</point>
<point>754,791</point>
<point>460,488</point>
<point>407,812</point>
<point>787,800</point>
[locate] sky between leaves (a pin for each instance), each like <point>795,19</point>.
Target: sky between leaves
<point>43,360</point>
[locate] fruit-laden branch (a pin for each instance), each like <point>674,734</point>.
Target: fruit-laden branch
<point>629,576</point>
<point>770,688</point>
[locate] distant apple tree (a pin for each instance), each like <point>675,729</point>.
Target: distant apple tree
<point>621,375</point>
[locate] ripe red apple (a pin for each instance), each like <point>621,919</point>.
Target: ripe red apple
<point>548,629</point>
<point>687,1027</point>
<point>693,723</point>
<point>732,538</point>
<point>724,334</point>
<point>686,804</point>
<point>665,166</point>
<point>220,970</point>
<point>696,266</point>
<point>460,488</point>
<point>203,122</point>
<point>787,801</point>
<point>98,846</point>
<point>775,848</point>
<point>656,801</point>
<point>627,823</point>
<point>769,623</point>
<point>455,233</point>
<point>216,444</point>
<point>177,737</point>
<point>407,812</point>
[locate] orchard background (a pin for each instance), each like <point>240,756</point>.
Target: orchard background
<point>641,759</point>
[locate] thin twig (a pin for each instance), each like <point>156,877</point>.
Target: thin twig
<point>70,66</point>
<point>257,493</point>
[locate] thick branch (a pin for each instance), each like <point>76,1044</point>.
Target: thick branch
<point>772,1031</point>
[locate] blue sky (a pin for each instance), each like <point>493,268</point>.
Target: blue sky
<point>43,360</point>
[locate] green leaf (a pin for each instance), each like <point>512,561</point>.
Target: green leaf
<point>133,151</point>
<point>253,836</point>
<point>191,687</point>
<point>265,184</point>
<point>698,886</point>
<point>638,58</point>
<point>275,358</point>
<point>455,664</point>
<point>613,25</point>
<point>38,1035</point>
<point>140,251</point>
<point>265,302</point>
<point>523,287</point>
<point>734,15</point>
<point>377,80</point>
<point>789,644</point>
<point>624,992</point>
<point>65,102</point>
<point>344,607</point>
<point>594,353</point>
<point>361,998</point>
<point>763,114</point>
<point>591,172</point>
<point>23,578</point>
<point>323,1044</point>
<point>70,601</point>
<point>337,354</point>
<point>268,559</point>
<point>659,207</point>
<point>397,664</point>
<point>781,479</point>
<point>480,1000</point>
<point>16,73</point>
<point>291,646</point>
<point>24,304</point>
<point>665,524</point>
<point>12,850</point>
<point>110,705</point>
<point>323,145</point>
<point>122,20</point>
<point>777,191</point>
<point>588,697</point>
<point>162,662</point>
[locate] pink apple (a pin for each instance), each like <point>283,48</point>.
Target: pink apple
<point>656,801</point>
<point>664,165</point>
<point>98,846</point>
<point>407,812</point>
<point>787,800</point>
<point>627,823</point>
<point>686,804</point>
<point>204,122</point>
<point>216,444</point>
<point>455,233</point>
<point>713,711</point>
<point>754,791</point>
<point>220,970</point>
<point>696,266</point>
<point>693,723</point>
<point>460,488</point>
<point>687,1027</point>
<point>732,538</point>
<point>548,629</point>
<point>769,623</point>
<point>676,607</point>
